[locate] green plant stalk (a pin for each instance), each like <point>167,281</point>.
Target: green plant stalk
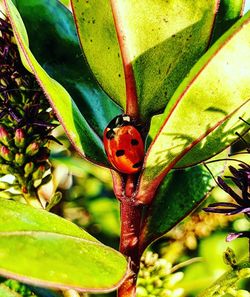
<point>228,280</point>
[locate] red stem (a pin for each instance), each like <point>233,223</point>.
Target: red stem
<point>131,95</point>
<point>129,245</point>
<point>131,213</point>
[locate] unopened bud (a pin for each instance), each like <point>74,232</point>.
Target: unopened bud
<point>38,174</point>
<point>28,168</point>
<point>32,149</point>
<point>5,169</point>
<point>5,153</point>
<point>19,138</point>
<point>4,136</point>
<point>19,158</point>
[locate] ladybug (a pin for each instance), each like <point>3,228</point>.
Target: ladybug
<point>124,145</point>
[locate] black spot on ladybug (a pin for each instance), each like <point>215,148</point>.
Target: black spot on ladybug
<point>137,165</point>
<point>134,142</point>
<point>110,134</point>
<point>120,153</point>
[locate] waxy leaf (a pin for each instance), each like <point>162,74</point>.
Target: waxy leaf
<point>57,50</point>
<point>203,115</point>
<point>43,249</point>
<point>84,138</point>
<point>180,192</point>
<point>98,38</point>
<point>161,39</point>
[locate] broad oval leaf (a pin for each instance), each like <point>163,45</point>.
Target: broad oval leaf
<point>180,192</point>
<point>163,39</point>
<point>203,115</point>
<point>57,50</point>
<point>84,138</point>
<point>43,249</point>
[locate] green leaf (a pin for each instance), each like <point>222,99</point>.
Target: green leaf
<point>229,12</point>
<point>180,192</point>
<point>84,138</point>
<point>57,50</point>
<point>163,40</point>
<point>97,35</point>
<point>203,115</point>
<point>32,240</point>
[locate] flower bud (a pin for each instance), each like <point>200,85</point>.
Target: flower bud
<point>19,158</point>
<point>32,149</point>
<point>4,136</point>
<point>5,153</point>
<point>5,169</point>
<point>38,173</point>
<point>28,168</point>
<point>19,138</point>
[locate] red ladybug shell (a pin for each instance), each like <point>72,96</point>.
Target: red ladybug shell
<point>124,148</point>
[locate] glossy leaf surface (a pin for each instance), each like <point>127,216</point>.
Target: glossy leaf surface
<point>57,50</point>
<point>84,138</point>
<point>203,115</point>
<point>32,240</point>
<point>180,192</point>
<point>163,40</point>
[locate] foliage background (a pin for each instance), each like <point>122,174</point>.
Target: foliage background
<point>88,201</point>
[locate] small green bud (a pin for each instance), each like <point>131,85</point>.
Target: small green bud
<point>32,149</point>
<point>28,168</point>
<point>54,200</point>
<point>5,169</point>
<point>229,257</point>
<point>19,158</point>
<point>19,138</point>
<point>38,173</point>
<point>244,272</point>
<point>4,136</point>
<point>5,153</point>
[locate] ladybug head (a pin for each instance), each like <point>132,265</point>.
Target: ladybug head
<point>120,121</point>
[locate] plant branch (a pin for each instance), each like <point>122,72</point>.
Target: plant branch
<point>129,244</point>
<point>131,214</point>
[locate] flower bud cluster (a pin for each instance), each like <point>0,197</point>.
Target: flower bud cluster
<point>157,279</point>
<point>26,122</point>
